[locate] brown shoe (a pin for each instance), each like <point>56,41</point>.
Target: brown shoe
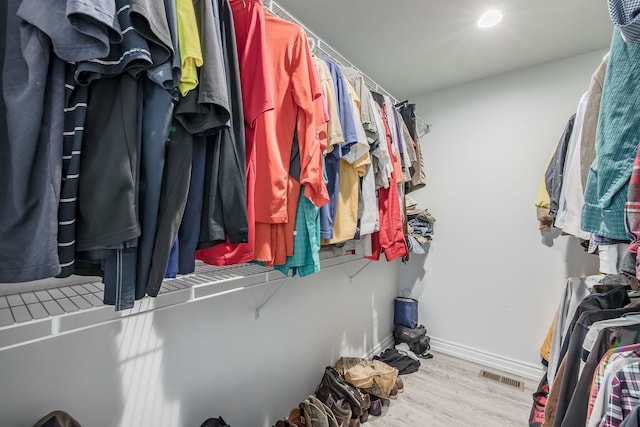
<point>365,416</point>
<point>342,410</point>
<point>393,394</point>
<point>399,384</point>
<point>375,410</point>
<point>297,417</point>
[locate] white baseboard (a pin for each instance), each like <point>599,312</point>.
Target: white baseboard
<point>384,344</point>
<point>490,360</point>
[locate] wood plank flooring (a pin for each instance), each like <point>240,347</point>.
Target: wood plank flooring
<point>447,391</point>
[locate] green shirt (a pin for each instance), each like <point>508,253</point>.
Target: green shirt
<point>306,241</point>
<point>617,140</point>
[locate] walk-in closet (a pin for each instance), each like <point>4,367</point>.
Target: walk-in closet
<point>278,213</point>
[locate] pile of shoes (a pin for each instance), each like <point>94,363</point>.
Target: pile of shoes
<point>339,403</point>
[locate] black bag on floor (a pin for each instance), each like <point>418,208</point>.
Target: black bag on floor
<point>404,364</point>
<point>416,338</point>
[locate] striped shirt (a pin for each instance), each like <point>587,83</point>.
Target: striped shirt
<point>75,111</point>
<point>132,55</point>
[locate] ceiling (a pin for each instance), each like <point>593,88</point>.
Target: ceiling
<point>410,47</point>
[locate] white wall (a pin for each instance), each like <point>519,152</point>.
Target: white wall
<point>491,281</point>
<point>179,366</point>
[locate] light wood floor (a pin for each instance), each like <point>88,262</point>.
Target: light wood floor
<point>449,392</point>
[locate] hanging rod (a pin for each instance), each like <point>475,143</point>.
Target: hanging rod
<point>321,45</point>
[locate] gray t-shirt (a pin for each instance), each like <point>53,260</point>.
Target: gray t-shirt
<point>30,155</point>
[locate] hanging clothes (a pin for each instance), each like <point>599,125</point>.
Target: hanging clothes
<point>381,152</point>
<point>159,98</point>
<point>591,112</point>
<point>188,130</point>
<point>594,307</point>
<point>75,112</point>
<point>353,166</point>
<point>107,238</point>
<point>543,201</point>
<point>601,385</point>
<point>367,203</point>
<point>554,173</point>
<point>305,259</point>
<point>616,143</point>
<point>571,165</point>
<point>257,98</point>
<point>335,139</point>
<point>212,114</point>
<point>629,263</point>
<point>32,128</point>
<point>418,176</point>
<point>294,90</point>
<point>176,173</point>
<point>572,193</point>
<point>332,161</point>
<point>390,238</point>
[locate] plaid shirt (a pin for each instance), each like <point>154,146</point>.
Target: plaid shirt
<point>306,241</point>
<point>609,357</point>
<point>632,217</point>
<point>616,143</point>
<point>625,395</point>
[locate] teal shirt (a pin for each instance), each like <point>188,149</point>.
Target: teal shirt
<point>306,241</point>
<point>617,140</point>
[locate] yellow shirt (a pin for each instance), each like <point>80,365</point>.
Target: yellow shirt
<point>189,45</point>
<point>543,202</point>
<point>545,348</point>
<point>346,220</point>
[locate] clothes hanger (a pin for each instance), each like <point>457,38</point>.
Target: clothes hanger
<point>313,45</point>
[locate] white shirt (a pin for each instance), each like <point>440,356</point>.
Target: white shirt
<point>571,193</point>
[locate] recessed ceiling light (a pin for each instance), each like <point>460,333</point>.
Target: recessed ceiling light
<point>490,18</point>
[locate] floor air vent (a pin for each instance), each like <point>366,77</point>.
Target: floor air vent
<point>502,379</point>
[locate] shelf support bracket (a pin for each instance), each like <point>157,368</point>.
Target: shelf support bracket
<point>275,291</point>
<point>359,271</point>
